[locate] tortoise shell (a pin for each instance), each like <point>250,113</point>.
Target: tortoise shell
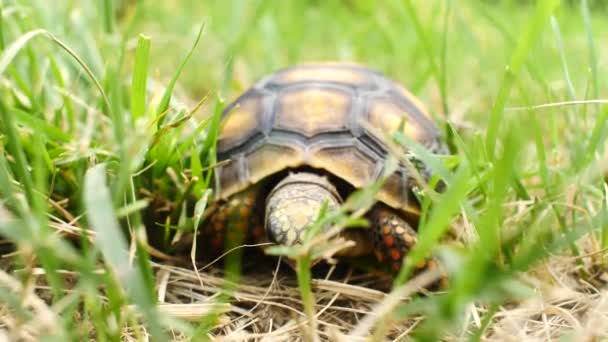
<point>318,116</point>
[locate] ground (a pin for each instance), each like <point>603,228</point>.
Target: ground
<point>108,114</point>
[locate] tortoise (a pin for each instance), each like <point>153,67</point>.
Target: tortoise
<point>308,135</point>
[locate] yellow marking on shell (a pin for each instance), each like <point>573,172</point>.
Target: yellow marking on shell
<point>270,159</point>
<point>386,230</point>
<point>415,100</point>
<point>395,194</point>
<point>229,179</point>
<point>323,73</point>
<point>387,117</point>
<point>240,122</point>
<point>399,230</point>
<point>348,162</point>
<point>313,111</point>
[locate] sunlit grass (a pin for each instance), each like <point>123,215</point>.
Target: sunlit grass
<point>109,116</point>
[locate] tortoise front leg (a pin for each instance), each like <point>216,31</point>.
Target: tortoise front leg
<point>392,236</point>
<point>234,223</point>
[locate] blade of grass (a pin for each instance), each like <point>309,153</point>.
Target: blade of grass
<point>166,98</point>
<point>67,101</point>
<point>140,77</point>
<point>14,146</point>
<point>2,45</point>
<point>11,52</point>
<point>15,47</point>
<point>304,285</point>
<point>6,186</point>
<point>562,54</point>
<point>596,139</point>
<point>210,144</point>
<point>111,243</point>
<point>591,47</point>
<point>443,78</point>
<point>108,16</point>
<point>552,188</point>
<point>529,35</point>
<point>604,236</point>
<point>39,125</point>
<point>437,223</point>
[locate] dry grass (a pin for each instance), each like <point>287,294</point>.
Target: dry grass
<point>269,308</point>
<point>267,304</point>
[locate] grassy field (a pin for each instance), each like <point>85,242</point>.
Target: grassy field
<point>107,135</point>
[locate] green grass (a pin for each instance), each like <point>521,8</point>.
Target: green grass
<point>109,113</point>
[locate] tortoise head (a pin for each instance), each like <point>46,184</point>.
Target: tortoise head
<point>294,204</point>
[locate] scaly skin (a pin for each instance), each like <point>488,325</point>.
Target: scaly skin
<point>234,223</point>
<point>294,204</point>
<point>393,237</point>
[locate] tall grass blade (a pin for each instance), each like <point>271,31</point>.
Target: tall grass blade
<point>164,102</point>
<point>113,246</point>
<point>15,147</point>
<point>437,224</point>
<point>529,35</point>
<point>140,77</point>
<point>593,67</point>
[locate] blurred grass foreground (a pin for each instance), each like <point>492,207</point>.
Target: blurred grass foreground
<point>108,118</point>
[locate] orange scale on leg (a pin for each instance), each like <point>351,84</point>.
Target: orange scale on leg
<point>395,254</point>
<point>389,241</point>
<point>396,266</point>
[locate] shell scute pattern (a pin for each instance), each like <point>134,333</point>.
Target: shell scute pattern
<point>311,116</point>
